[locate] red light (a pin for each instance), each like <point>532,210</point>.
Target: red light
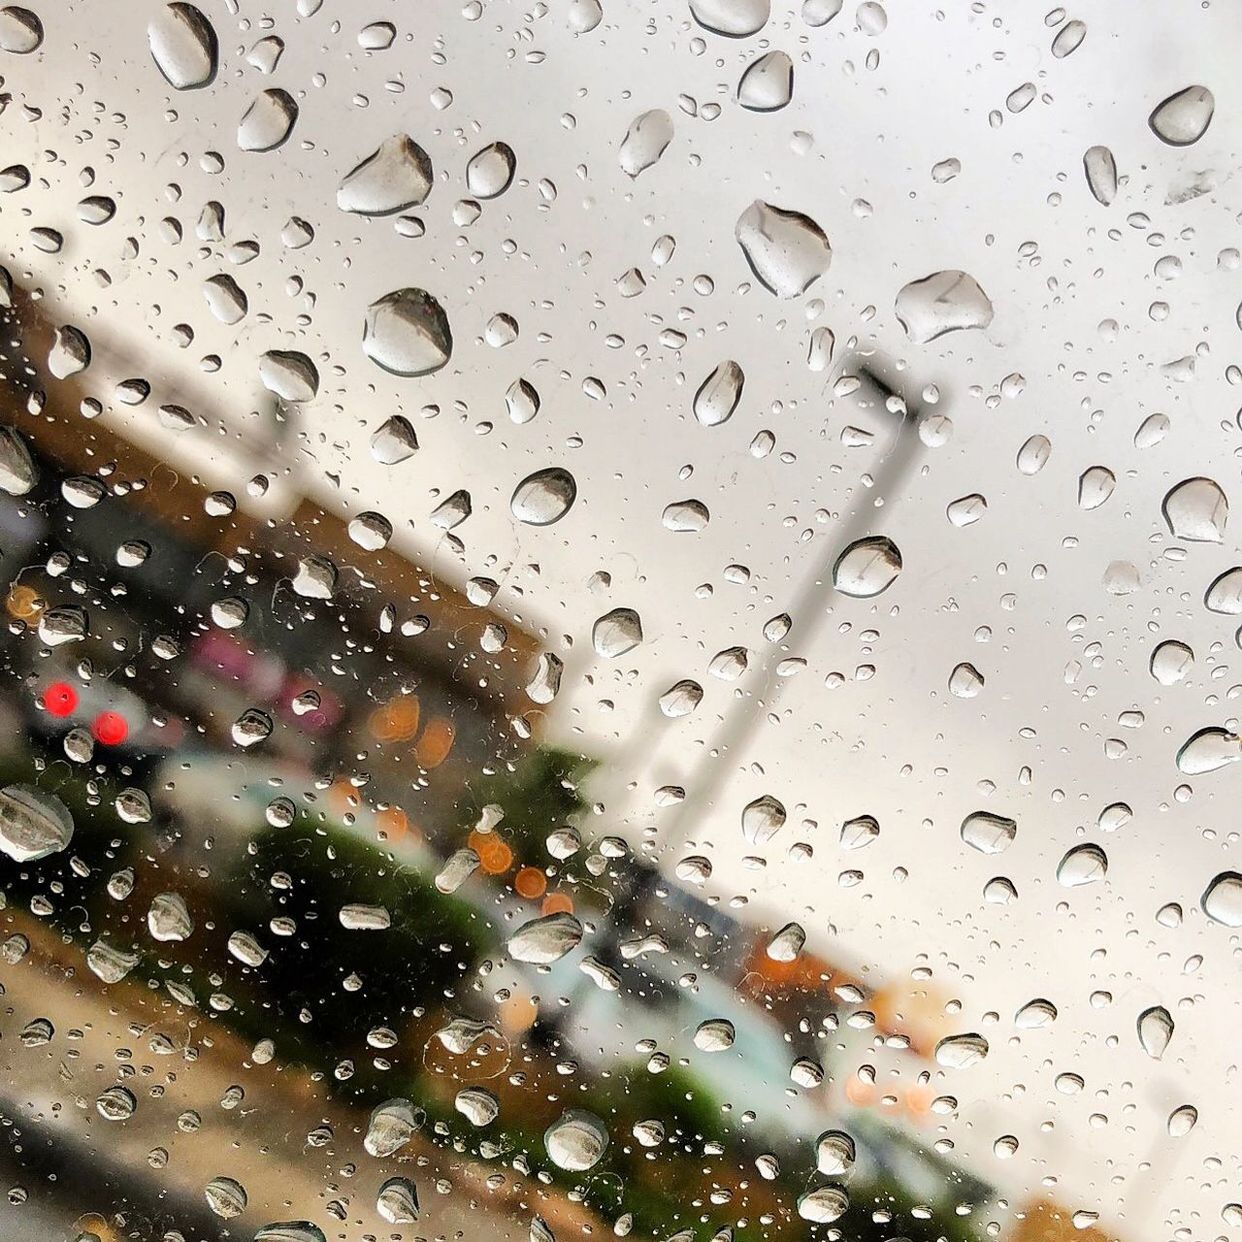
<point>60,698</point>
<point>110,728</point>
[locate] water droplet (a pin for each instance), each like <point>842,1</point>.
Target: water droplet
<point>290,1231</point>
<point>490,171</point>
<point>225,299</point>
<point>392,1125</point>
<point>397,175</point>
<point>645,141</point>
<point>965,681</point>
<point>393,441</point>
<point>714,1035</point>
<point>70,352</point>
<point>835,1153</point>
<point>1222,899</point>
<point>1033,455</point>
<point>1101,170</point>
<point>251,727</point>
<point>1155,1030</point>
<point>859,832</point>
<point>766,84</point>
<point>226,1197</point>
<point>584,16</point>
<point>786,250</point>
<point>109,963</point>
<point>478,1105</point>
<point>762,819</point>
<point>168,917</point>
<point>787,944</point>
<point>681,698</point>
<point>546,939</point>
<point>358,916</point>
<point>824,1205</point>
<point>457,869</point>
<point>116,1104</point>
<point>377,36</point>
<point>718,395</point>
<point>1170,662</point>
<point>576,1140</point>
<point>1068,39</point>
<point>961,1051</point>
<point>21,31</point>
<point>867,567</point>
<point>685,517</point>
<point>1095,486</point>
<point>1182,1120</point>
<point>246,949</point>
<point>988,833</point>
<point>406,332</point>
<point>1183,118</point>
<point>820,12</point>
<point>1196,510</point>
<point>617,633</point>
<point>183,46</point>
<point>18,473</point>
<point>1225,593</point>
<point>1035,1014</point>
<point>544,497</point>
<point>1208,750</point>
<point>370,530</point>
<point>544,686</point>
<point>948,301</point>
<point>1084,864</point>
<point>397,1201</point>
<point>1005,1147</point>
<point>290,375</point>
<point>268,122</point>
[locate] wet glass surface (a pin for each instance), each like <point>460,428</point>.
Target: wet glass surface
<point>620,620</point>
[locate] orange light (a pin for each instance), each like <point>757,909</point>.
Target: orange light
<point>397,720</point>
<point>437,740</point>
<point>393,823</point>
<point>557,903</point>
<point>530,883</point>
<point>860,1093</point>
<point>495,857</point>
<point>24,603</point>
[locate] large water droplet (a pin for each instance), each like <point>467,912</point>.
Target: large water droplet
<point>616,633</point>
<point>824,1205</point>
<point>226,1197</point>
<point>787,943</point>
<point>718,395</point>
<point>18,473</point>
<point>544,497</point>
<point>290,1231</point>
<point>734,18</point>
<point>787,251</point>
<point>1171,661</point>
<point>766,84</point>
<point>183,46</point>
<point>961,1051</point>
<point>1155,1030</point>
<point>645,141</point>
<point>867,567</point>
<point>762,819</point>
<point>714,1035</point>
<point>1183,118</point>
<point>390,1128</point>
<point>33,823</point>
<point>1101,170</point>
<point>1182,1120</point>
<point>988,833</point>
<point>406,332</point>
<point>168,917</point>
<point>1222,899</point>
<point>545,939</point>
<point>1084,864</point>
<point>393,441</point>
<point>21,31</point>
<point>1209,750</point>
<point>268,122</point>
<point>397,1201</point>
<point>396,175</point>
<point>1196,510</point>
<point>1225,593</point>
<point>490,171</point>
<point>576,1140</point>
<point>948,301</point>
<point>289,374</point>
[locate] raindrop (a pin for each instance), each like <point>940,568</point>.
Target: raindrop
<point>1225,593</point>
<point>835,1153</point>
<point>546,939</point>
<point>226,1197</point>
<point>762,819</point>
<point>1155,1030</point>
<point>685,517</point>
<point>766,84</point>
<point>1182,1120</point>
<point>183,46</point>
<point>820,12</point>
<point>478,1105</point>
<point>393,441</point>
<point>268,122</point>
<point>1196,510</point>
<point>867,567</point>
<point>961,1051</point>
<point>714,1035</point>
<point>109,963</point>
<point>645,141</point>
<point>787,251</point>
<point>787,944</point>
<point>390,1128</point>
<point>735,18</point>
<point>1222,899</point>
<point>116,1104</point>
<point>490,171</point>
<point>544,497</point>
<point>397,1201</point>
<point>1035,1014</point>
<point>406,332</point>
<point>1033,455</point>
<point>1207,751</point>
<point>616,633</point>
<point>824,1205</point>
<point>1084,864</point>
<point>1171,661</point>
<point>358,916</point>
<point>290,375</point>
<point>21,31</point>
<point>1101,170</point>
<point>858,833</point>
<point>681,698</point>
<point>18,473</point>
<point>1095,486</point>
<point>576,1140</point>
<point>988,833</point>
<point>718,395</point>
<point>1183,118</point>
<point>397,175</point>
<point>168,918</point>
<point>225,299</point>
<point>33,823</point>
<point>948,301</point>
<point>377,36</point>
<point>1068,39</point>
<point>965,681</point>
